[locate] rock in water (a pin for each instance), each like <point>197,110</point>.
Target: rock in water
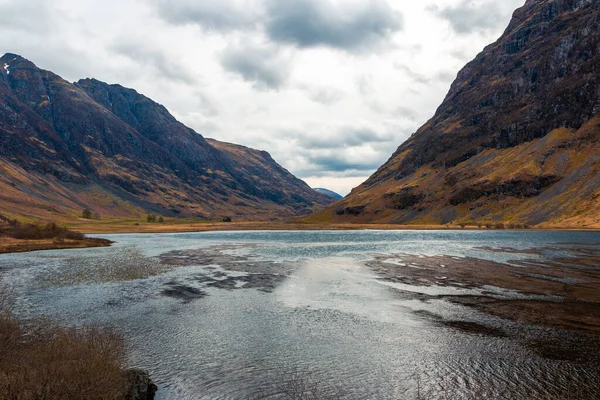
<point>139,385</point>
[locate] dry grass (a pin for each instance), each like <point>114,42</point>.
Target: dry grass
<point>40,360</point>
<point>18,237</point>
<point>18,230</point>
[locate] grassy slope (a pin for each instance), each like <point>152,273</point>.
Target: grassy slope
<point>571,202</point>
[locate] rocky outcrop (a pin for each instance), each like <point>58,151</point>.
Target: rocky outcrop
<point>139,385</point>
<point>65,147</point>
<point>516,138</point>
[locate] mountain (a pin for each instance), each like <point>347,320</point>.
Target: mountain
<point>65,147</point>
<point>516,140</point>
<point>329,193</point>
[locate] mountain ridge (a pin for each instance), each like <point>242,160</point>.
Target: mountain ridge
<point>531,99</point>
<point>65,147</point>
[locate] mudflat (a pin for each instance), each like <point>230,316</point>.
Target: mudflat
<point>562,293</point>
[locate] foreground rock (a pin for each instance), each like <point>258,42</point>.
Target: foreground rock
<point>140,386</point>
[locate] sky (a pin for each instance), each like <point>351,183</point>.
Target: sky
<point>329,87</point>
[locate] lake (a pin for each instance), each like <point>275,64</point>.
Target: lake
<point>235,315</point>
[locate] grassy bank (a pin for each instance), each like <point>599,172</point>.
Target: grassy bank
<point>17,237</point>
<point>169,225</point>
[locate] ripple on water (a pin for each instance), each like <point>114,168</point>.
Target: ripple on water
<point>301,306</point>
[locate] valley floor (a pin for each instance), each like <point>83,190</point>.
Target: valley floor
<point>117,226</point>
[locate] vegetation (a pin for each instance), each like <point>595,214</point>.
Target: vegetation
<point>153,218</point>
<point>18,230</point>
<point>86,213</point>
<point>226,219</point>
<point>40,360</point>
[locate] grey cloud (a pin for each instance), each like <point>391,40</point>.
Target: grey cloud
<point>139,51</point>
<point>222,15</point>
<point>26,15</point>
<point>326,96</point>
<point>339,139</point>
<point>442,76</point>
<point>339,162</point>
<point>469,16</point>
<point>350,26</point>
<point>445,76</point>
<point>407,113</point>
<point>264,65</point>
<point>411,74</point>
<point>364,84</point>
<point>313,23</point>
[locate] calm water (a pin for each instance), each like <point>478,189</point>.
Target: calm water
<point>244,312</point>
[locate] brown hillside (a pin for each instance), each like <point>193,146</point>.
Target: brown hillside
<point>65,147</point>
<point>516,140</point>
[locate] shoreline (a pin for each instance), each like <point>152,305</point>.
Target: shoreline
<point>11,246</point>
<point>117,227</point>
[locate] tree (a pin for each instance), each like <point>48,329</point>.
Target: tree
<point>151,218</point>
<point>86,213</point>
<point>161,219</point>
<point>227,219</point>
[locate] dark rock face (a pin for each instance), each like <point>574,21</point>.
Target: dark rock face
<point>519,122</point>
<point>131,151</point>
<point>139,385</point>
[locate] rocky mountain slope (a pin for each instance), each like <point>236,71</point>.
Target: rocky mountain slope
<point>65,147</point>
<point>516,140</point>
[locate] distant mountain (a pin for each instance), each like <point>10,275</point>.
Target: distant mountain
<point>65,147</point>
<point>517,139</point>
<point>329,193</point>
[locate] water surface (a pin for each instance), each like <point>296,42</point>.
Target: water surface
<point>231,315</point>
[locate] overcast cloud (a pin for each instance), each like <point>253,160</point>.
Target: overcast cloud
<point>329,87</point>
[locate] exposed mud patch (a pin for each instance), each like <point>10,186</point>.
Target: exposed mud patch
<point>562,293</point>
<point>230,268</point>
<point>183,292</point>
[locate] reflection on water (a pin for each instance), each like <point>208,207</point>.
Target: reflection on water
<point>232,315</point>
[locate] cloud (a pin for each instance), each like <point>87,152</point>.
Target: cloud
<point>325,95</point>
<point>351,25</point>
<point>346,25</point>
<point>264,64</point>
<point>337,138</point>
<point>338,162</point>
<point>470,16</point>
<point>221,15</point>
<point>26,16</point>
<point>145,54</point>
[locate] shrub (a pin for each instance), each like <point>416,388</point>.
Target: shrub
<point>161,219</point>
<point>151,217</point>
<point>38,232</point>
<point>40,360</point>
<point>226,219</point>
<point>86,213</point>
